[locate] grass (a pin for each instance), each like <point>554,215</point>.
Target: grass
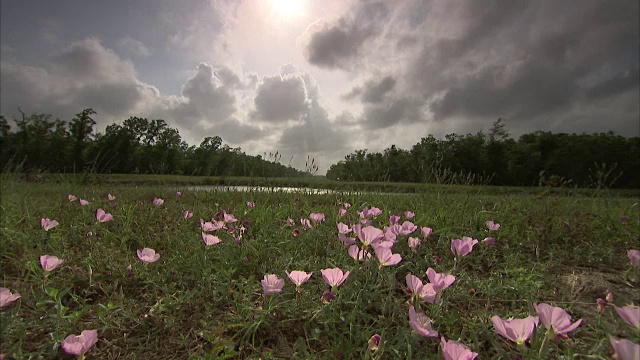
<point>200,302</point>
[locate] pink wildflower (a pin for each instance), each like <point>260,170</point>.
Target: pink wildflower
<point>625,349</point>
<point>210,239</point>
<point>421,323</point>
<point>298,277</point>
<point>516,330</point>
<point>342,212</point>
<point>426,231</point>
<point>71,197</point>
<point>414,242</point>
<point>157,202</point>
<point>187,214</point>
<point>346,240</point>
<point>110,197</point>
<point>462,247</point>
<point>271,284</point>
<point>630,314</point>
<point>557,319</point>
<point>148,255</point>
<point>385,257</point>
<point>6,297</point>
<point>334,277</point>
<point>316,217</point>
<point>229,218</point>
<point>50,263</point>
<point>343,228</point>
<point>79,344</point>
<point>178,193</point>
<point>492,225</point>
<point>251,204</point>
<point>47,224</point>
<point>102,216</point>
<point>368,234</point>
<point>357,254</point>
<point>393,219</point>
<point>453,350</point>
<point>489,241</point>
<point>409,214</point>
<point>306,223</point>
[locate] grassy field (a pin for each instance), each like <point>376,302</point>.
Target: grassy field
<point>206,301</point>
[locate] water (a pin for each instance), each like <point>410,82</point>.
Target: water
<point>267,189</point>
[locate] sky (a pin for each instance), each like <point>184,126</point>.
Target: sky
<point>322,78</point>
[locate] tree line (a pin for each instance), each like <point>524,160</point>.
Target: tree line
<point>137,145</point>
<point>603,160</point>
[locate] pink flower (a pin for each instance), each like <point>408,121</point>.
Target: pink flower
<point>157,201</point>
<point>271,284</point>
<point>634,256</point>
<point>453,350</point>
<point>462,247</point>
<point>229,218</point>
<point>71,197</point>
<point>298,277</point>
<point>178,193</point>
<point>6,297</point>
<point>343,228</point>
<point>556,318</point>
<point>110,197</point>
<point>79,344</point>
<point>368,234</point>
<point>409,214</point>
<point>421,323</point>
<point>291,222</point>
<point>440,281</point>
<point>489,241</point>
<point>357,254</point>
<point>49,263</point>
<point>187,214</point>
<point>47,224</point>
<point>148,255</point>
<point>492,225</point>
<point>516,330</point>
<point>251,204</point>
<point>630,314</point>
<point>608,295</point>
<point>426,231</point>
<point>407,228</point>
<point>602,304</point>
<point>393,219</point>
<point>346,240</point>
<point>425,292</point>
<point>342,212</point>
<point>347,205</point>
<point>374,342</point>
<point>306,223</point>
<point>295,232</point>
<point>414,242</point>
<point>385,257</point>
<point>102,216</point>
<point>334,276</point>
<point>84,202</point>
<point>316,217</point>
<point>625,349</point>
<point>210,239</point>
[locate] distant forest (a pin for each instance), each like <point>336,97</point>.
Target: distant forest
<point>138,145</point>
<point>541,158</point>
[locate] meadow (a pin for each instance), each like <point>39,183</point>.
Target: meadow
<point>204,298</point>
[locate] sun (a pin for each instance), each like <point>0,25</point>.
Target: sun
<point>287,8</point>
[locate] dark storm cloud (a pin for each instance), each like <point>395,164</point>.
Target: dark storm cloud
<point>535,63</point>
<point>333,46</point>
<point>280,98</point>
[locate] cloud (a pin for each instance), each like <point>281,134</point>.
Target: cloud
<point>280,98</point>
<point>334,46</point>
<point>132,47</point>
<point>469,63</point>
<point>83,75</point>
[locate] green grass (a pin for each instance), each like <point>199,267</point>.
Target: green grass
<point>201,302</point>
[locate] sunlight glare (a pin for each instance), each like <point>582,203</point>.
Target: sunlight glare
<point>287,8</point>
